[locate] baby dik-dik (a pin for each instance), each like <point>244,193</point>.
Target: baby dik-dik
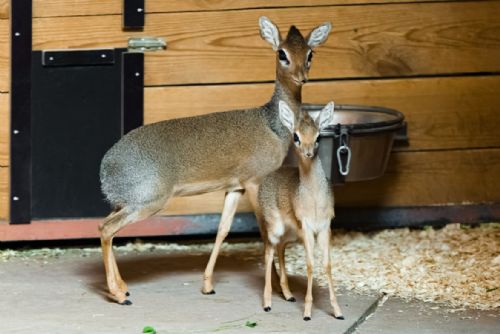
<point>230,151</point>
<point>298,202</point>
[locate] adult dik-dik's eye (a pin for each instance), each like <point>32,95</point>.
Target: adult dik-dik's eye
<point>282,57</point>
<point>296,138</point>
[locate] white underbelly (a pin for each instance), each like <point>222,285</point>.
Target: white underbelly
<point>196,188</point>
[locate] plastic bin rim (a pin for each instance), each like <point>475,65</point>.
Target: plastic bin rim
<point>361,128</point>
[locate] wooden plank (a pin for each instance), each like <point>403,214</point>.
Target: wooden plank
<point>4,129</point>
<point>4,56</point>
<point>347,218</point>
<point>430,178</point>
<point>57,229</point>
<point>4,9</point>
<point>442,113</point>
<point>206,203</point>
<point>4,193</point>
<point>367,41</point>
<point>50,8</point>
<point>412,179</point>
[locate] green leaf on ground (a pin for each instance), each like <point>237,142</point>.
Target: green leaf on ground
<point>149,330</point>
<point>250,324</point>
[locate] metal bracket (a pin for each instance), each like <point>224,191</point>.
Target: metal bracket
<point>20,112</point>
<point>132,90</point>
<point>133,14</point>
<point>401,137</point>
<point>78,57</point>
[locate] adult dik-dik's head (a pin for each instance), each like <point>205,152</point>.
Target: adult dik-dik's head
<point>294,53</point>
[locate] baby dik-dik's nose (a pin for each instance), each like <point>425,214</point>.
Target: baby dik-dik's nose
<point>302,78</point>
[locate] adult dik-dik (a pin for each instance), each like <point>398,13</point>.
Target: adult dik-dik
<point>298,202</point>
<point>229,151</point>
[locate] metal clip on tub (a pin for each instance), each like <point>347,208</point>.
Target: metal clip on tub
<point>343,150</point>
<point>142,44</point>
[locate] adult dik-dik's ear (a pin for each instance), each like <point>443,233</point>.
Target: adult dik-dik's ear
<point>325,117</point>
<point>287,116</point>
<point>319,34</point>
<point>269,32</point>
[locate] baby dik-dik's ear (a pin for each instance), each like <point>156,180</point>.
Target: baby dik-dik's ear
<point>319,35</point>
<point>269,32</point>
<point>287,116</point>
<point>325,117</point>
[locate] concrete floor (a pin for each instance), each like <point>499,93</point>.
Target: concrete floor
<point>396,316</point>
<point>66,294</point>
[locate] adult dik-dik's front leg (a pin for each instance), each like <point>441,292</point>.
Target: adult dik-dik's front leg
<point>230,205</point>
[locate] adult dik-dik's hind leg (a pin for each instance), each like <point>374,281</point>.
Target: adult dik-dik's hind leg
<point>252,190</point>
<point>115,214</point>
<point>230,205</point>
<point>111,225</point>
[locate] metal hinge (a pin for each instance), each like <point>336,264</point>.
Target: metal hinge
<point>143,44</point>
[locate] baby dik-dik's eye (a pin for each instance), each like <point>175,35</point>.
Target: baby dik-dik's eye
<point>296,138</point>
<point>282,57</point>
<point>309,58</point>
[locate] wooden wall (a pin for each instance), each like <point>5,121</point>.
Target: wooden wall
<point>435,61</point>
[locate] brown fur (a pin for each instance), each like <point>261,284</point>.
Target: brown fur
<point>228,151</point>
<point>298,203</point>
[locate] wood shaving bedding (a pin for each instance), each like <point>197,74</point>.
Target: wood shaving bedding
<point>456,266</point>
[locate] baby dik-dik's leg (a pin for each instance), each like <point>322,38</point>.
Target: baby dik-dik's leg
<point>230,206</point>
<point>309,249</point>
<point>324,245</point>
<point>268,290</point>
<point>283,277</point>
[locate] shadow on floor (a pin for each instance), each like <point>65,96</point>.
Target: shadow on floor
<point>144,267</point>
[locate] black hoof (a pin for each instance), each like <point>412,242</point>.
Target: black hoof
<point>267,309</point>
<point>339,317</point>
<point>126,302</point>
<point>307,318</point>
<point>127,293</point>
<point>291,299</point>
<point>212,292</point>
